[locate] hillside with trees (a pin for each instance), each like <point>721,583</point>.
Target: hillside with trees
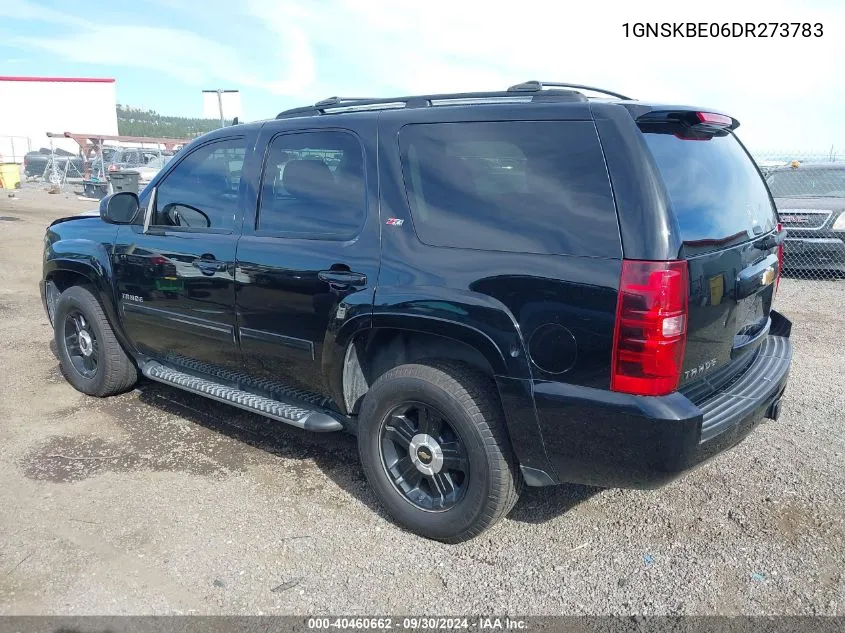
<point>137,122</point>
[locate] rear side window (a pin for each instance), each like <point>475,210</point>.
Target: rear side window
<point>313,186</point>
<point>519,186</point>
<point>715,190</point>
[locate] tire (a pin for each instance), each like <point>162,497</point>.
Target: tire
<point>468,404</point>
<point>113,371</point>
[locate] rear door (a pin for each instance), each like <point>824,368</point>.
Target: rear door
<point>308,258</point>
<point>727,224</point>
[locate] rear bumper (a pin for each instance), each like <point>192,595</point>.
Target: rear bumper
<point>609,439</point>
<point>814,253</point>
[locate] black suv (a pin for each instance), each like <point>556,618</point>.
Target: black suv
<point>488,289</point>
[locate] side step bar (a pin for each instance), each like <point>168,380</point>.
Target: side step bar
<point>298,416</point>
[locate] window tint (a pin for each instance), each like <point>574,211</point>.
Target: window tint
<point>715,190</point>
<point>536,187</point>
<point>202,190</point>
<point>313,185</point>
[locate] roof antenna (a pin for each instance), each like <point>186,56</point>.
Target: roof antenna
<point>235,121</point>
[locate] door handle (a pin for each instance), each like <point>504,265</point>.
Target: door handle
<point>342,277</point>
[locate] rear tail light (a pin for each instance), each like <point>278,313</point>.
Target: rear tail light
<point>651,327</point>
<point>780,257</point>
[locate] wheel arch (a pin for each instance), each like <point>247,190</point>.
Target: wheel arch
<point>372,345</point>
<point>368,352</point>
<point>94,272</point>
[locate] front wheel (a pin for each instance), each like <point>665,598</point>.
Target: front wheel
<point>91,358</point>
<point>434,447</point>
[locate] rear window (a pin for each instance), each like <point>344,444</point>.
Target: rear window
<point>715,190</point>
<point>808,183</point>
<point>532,187</point>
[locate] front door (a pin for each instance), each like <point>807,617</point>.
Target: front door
<point>175,278</point>
<point>308,258</point>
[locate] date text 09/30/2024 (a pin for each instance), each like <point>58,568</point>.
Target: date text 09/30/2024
<point>723,29</point>
<point>418,623</point>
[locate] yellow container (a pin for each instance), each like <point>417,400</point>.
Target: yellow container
<point>10,175</point>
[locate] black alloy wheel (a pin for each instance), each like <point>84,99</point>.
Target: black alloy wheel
<point>435,449</point>
<point>424,457</point>
<point>81,344</point>
<point>90,356</point>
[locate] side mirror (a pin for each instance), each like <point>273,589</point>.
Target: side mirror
<point>120,208</point>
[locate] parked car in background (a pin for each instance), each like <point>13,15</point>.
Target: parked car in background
<point>767,166</point>
<point>148,171</point>
<point>129,158</point>
<point>35,163</point>
<point>811,205</point>
<point>144,160</point>
<point>108,154</point>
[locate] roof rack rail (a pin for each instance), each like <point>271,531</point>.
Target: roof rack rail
<point>334,105</point>
<point>333,101</point>
<point>534,86</point>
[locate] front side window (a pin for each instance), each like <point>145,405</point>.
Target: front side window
<point>202,190</point>
<point>518,186</point>
<point>313,186</point>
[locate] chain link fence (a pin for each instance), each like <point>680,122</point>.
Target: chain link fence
<point>14,148</point>
<point>809,191</point>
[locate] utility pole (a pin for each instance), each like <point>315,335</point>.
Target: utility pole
<point>220,105</point>
<point>219,92</point>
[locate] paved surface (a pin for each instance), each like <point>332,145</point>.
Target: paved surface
<point>161,502</point>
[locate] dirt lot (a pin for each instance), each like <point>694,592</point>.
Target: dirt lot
<point>160,502</point>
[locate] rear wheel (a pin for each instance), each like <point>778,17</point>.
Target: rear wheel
<point>433,445</point>
<point>91,358</point>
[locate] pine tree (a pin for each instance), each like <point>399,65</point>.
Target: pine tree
<point>149,123</point>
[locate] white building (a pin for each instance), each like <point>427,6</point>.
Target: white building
<point>32,106</point>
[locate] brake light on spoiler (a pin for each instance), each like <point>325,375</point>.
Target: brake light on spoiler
<point>688,124</point>
<point>714,119</point>
<point>651,327</point>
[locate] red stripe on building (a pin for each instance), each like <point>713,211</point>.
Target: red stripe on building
<point>72,80</point>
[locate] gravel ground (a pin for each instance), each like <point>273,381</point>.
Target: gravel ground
<point>160,502</point>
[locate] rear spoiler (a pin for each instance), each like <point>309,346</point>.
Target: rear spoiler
<point>713,122</point>
<point>688,124</point>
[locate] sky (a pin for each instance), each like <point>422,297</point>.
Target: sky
<point>788,93</point>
